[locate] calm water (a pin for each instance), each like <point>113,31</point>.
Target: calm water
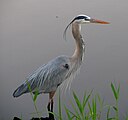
<point>31,35</point>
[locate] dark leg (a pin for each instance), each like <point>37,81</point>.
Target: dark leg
<point>50,105</point>
<point>51,116</point>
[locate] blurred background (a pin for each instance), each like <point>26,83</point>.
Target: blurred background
<point>31,34</point>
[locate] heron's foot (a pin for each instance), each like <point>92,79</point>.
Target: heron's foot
<point>51,116</point>
<point>46,118</point>
<point>16,118</point>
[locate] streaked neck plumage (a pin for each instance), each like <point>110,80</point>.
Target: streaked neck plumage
<point>80,46</point>
<point>77,57</point>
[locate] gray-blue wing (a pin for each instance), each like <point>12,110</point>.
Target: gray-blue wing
<point>45,79</point>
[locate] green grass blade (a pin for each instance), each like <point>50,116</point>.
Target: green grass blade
<point>114,91</point>
<point>75,110</point>
<point>36,93</point>
<point>78,103</point>
<point>68,113</point>
<point>101,103</point>
<point>33,98</point>
<point>108,112</point>
<point>60,112</point>
<point>115,108</point>
<point>118,90</point>
<point>90,109</point>
<point>94,108</point>
<point>86,99</point>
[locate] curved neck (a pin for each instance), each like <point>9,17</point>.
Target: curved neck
<point>76,28</point>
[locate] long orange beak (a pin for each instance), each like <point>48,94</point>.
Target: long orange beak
<point>98,21</point>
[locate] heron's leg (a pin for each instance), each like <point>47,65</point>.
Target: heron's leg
<point>51,116</point>
<point>50,105</point>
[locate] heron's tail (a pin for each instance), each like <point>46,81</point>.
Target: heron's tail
<point>20,90</point>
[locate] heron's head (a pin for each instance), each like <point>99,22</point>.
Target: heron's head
<point>82,19</point>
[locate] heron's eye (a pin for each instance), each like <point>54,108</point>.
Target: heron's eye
<point>66,66</point>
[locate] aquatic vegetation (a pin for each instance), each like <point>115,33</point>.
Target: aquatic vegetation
<point>91,107</point>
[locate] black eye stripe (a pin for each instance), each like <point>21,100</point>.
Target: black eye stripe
<point>81,17</point>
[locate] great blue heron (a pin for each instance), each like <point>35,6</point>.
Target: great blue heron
<point>48,77</point>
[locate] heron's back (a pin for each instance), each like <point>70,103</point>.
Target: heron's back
<point>46,78</point>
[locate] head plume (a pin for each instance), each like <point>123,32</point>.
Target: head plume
<point>77,18</point>
<point>64,34</point>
